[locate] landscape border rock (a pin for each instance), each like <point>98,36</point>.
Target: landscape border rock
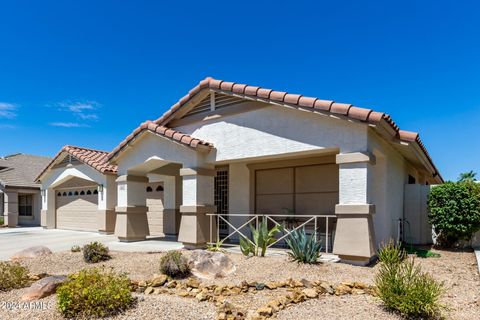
<point>31,252</point>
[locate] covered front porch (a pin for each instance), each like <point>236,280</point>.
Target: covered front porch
<point>205,201</point>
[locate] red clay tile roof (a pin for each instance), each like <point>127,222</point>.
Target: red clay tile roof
<point>309,103</point>
<point>96,159</point>
<point>171,134</point>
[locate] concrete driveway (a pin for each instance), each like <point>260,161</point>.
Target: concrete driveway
<point>16,239</point>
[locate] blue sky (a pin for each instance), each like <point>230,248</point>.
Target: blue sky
<point>88,72</point>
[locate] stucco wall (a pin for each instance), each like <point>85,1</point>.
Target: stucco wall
<point>388,179</point>
<point>275,130</point>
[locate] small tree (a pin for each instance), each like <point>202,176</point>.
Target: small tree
<point>454,211</point>
<point>467,176</point>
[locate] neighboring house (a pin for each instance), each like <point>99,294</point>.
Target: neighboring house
<point>242,150</point>
<point>20,200</point>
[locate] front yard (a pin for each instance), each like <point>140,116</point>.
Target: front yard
<point>457,269</point>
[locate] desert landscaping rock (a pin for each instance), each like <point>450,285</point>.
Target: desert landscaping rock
<point>32,252</point>
<point>43,288</point>
<point>457,269</point>
<point>210,265</point>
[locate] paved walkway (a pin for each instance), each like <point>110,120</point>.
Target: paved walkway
<point>13,240</point>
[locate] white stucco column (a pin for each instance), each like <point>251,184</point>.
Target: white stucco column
<point>172,186</point>
<point>198,200</point>
<point>47,215</point>
<point>107,199</point>
<point>131,212</point>
<point>354,237</point>
<point>10,208</point>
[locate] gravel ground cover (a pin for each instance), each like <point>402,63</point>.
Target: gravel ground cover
<point>457,269</point>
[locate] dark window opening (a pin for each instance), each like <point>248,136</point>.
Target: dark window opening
<point>411,180</point>
<point>221,198</point>
<point>89,192</point>
<point>75,193</point>
<point>25,205</point>
<point>95,191</point>
<point>59,194</point>
<point>149,189</point>
<point>159,188</point>
<point>70,194</point>
<point>82,193</point>
<point>64,194</point>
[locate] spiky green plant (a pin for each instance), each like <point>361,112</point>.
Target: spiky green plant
<point>261,238</point>
<point>304,248</point>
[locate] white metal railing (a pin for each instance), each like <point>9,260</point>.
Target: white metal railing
<point>289,223</point>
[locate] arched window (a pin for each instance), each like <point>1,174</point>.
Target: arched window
<point>76,193</point>
<point>95,191</point>
<point>82,193</point>
<point>159,188</point>
<point>59,194</point>
<point>89,192</point>
<point>64,194</point>
<point>70,193</point>
<point>149,189</point>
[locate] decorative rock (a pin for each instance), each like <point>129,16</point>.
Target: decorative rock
<point>172,284</point>
<point>32,252</point>
<point>357,291</point>
<point>342,289</point>
<point>260,286</point>
<point>210,265</point>
<point>306,283</point>
<point>310,293</point>
<point>159,280</point>
<point>35,277</point>
<point>142,284</point>
<point>201,297</point>
<point>265,311</point>
<point>183,294</point>
<point>43,288</point>
<point>271,285</point>
<point>327,288</point>
<point>149,290</point>
<point>360,285</point>
<point>193,283</point>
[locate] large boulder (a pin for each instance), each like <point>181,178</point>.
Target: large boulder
<point>43,288</point>
<point>32,252</point>
<point>210,265</point>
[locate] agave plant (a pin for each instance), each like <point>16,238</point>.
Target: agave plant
<point>261,238</point>
<point>304,248</point>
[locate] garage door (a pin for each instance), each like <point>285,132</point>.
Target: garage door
<point>155,209</point>
<point>301,190</point>
<point>77,209</point>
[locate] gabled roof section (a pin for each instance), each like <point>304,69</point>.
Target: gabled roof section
<point>173,135</point>
<point>382,121</point>
<point>20,170</point>
<point>96,159</point>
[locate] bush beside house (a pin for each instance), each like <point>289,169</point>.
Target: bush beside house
<point>454,211</point>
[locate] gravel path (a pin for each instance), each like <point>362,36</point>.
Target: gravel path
<point>457,269</point>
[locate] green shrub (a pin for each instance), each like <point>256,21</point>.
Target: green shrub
<point>75,248</point>
<point>215,247</point>
<point>94,293</point>
<point>304,248</point>
<point>405,288</point>
<point>95,252</point>
<point>174,265</point>
<point>2,221</point>
<point>454,211</point>
<point>12,276</point>
<point>391,253</point>
<point>261,239</point>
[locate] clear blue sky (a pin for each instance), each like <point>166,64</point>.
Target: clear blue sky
<point>88,72</point>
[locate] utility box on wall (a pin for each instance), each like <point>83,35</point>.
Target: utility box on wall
<point>417,229</point>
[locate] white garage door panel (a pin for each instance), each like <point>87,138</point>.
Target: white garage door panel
<point>78,212</point>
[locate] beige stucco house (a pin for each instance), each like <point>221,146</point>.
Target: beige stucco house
<point>243,151</point>
<point>20,200</point>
